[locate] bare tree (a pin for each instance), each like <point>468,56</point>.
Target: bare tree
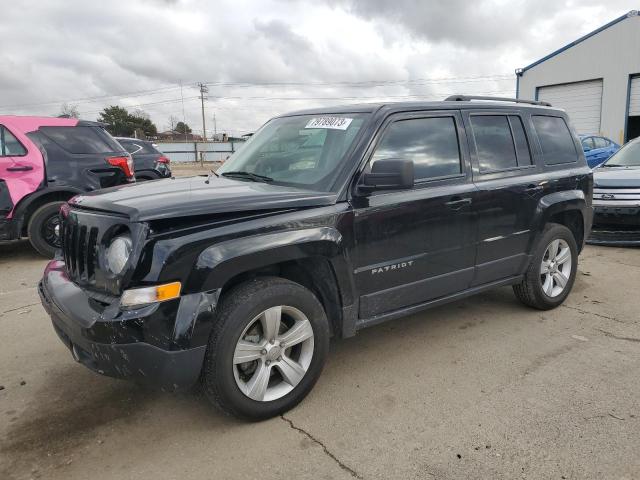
<point>70,111</point>
<point>173,121</point>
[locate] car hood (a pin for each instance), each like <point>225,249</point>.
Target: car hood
<point>188,196</point>
<point>617,177</point>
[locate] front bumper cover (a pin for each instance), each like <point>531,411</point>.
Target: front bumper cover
<point>146,345</point>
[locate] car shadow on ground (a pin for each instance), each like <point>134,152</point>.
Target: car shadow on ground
<point>18,250</point>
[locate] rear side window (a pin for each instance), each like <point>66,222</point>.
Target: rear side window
<point>600,142</point>
<point>431,143</point>
<point>10,146</point>
<point>588,142</point>
<point>501,143</point>
<point>82,140</point>
<point>555,140</point>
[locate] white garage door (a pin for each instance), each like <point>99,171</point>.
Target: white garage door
<point>581,100</point>
<point>634,97</point>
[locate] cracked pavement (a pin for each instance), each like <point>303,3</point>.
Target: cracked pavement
<point>482,388</point>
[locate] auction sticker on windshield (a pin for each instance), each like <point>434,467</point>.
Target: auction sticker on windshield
<point>334,123</point>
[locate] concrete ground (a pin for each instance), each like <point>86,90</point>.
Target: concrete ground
<point>483,388</point>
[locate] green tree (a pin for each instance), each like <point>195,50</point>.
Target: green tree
<point>120,123</point>
<point>183,127</point>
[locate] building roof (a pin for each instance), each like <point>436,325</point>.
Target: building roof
<point>632,13</point>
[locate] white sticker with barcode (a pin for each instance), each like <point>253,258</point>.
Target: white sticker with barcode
<point>334,123</point>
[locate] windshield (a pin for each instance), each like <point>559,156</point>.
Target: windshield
<point>305,151</point>
<point>627,156</point>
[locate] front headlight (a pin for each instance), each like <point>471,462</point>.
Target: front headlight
<point>118,253</point>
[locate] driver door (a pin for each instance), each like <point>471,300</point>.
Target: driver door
<point>417,245</point>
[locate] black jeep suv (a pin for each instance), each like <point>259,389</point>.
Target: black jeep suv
<point>327,221</point>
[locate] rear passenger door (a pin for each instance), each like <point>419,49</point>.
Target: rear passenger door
<point>509,187</point>
<point>416,245</point>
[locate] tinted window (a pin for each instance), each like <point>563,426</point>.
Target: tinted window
<point>520,138</point>
<point>600,142</point>
<point>139,147</point>
<point>494,143</point>
<point>9,145</point>
<point>555,139</point>
<point>82,139</point>
<point>431,143</point>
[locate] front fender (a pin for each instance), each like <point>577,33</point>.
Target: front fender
<point>220,262</point>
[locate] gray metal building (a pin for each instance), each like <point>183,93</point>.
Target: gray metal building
<point>596,79</point>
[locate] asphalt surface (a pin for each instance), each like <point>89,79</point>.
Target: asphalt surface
<point>482,388</point>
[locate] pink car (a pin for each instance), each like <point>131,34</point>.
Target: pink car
<point>46,161</point>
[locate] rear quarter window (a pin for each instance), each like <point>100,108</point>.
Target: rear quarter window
<point>556,140</point>
<point>82,140</point>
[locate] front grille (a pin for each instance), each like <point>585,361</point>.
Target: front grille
<point>79,245</point>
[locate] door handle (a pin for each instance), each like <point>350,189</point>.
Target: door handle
<point>533,188</point>
<point>456,203</point>
<point>21,168</point>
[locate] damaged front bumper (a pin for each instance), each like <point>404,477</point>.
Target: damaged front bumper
<point>161,345</point>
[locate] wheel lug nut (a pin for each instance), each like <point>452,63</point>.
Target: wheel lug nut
<point>263,351</point>
<point>268,362</point>
<point>272,342</point>
<point>279,359</point>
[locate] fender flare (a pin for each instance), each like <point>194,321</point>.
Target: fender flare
<point>26,202</point>
<point>218,263</point>
<point>559,202</point>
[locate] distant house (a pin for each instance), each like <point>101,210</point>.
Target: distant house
<point>175,136</point>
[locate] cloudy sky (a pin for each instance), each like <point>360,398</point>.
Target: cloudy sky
<point>260,58</point>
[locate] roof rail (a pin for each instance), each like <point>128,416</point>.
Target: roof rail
<point>467,98</point>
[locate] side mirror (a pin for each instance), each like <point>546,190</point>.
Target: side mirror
<point>586,149</point>
<point>388,174</point>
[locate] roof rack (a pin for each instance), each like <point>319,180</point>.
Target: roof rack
<point>467,98</point>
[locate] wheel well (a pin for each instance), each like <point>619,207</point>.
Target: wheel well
<point>313,273</point>
<point>572,219</point>
<point>61,196</point>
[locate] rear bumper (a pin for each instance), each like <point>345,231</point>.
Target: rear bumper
<point>107,342</point>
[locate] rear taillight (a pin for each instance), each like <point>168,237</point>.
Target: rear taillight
<point>163,159</point>
<point>124,163</point>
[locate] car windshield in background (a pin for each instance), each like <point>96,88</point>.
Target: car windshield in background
<point>627,156</point>
<point>305,151</point>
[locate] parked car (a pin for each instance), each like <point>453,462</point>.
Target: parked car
<point>616,198</point>
<point>46,161</point>
<point>327,221</point>
<point>149,162</point>
<point>597,149</point>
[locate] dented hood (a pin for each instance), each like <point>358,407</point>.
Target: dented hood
<point>188,196</point>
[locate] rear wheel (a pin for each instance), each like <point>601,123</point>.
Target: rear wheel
<point>267,349</point>
<point>44,229</point>
<point>552,271</point>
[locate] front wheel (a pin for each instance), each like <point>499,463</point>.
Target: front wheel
<point>44,229</point>
<point>552,271</point>
<point>267,348</point>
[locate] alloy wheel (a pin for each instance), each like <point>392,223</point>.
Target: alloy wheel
<point>273,353</point>
<point>555,269</point>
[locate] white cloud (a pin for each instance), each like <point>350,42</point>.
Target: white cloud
<point>69,50</point>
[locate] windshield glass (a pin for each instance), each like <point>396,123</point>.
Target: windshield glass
<point>627,156</point>
<point>304,151</point>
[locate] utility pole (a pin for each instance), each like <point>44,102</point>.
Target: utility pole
<point>215,129</point>
<point>203,89</point>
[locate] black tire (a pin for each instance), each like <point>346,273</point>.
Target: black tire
<point>39,227</point>
<point>238,307</point>
<point>530,290</point>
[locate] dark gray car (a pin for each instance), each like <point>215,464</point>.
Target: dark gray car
<point>149,162</point>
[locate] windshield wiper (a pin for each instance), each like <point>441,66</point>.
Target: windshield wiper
<point>251,176</point>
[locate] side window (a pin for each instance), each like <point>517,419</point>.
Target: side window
<point>501,143</point>
<point>10,146</point>
<point>131,147</point>
<point>82,140</point>
<point>588,142</point>
<point>555,140</point>
<point>600,142</point>
<point>431,143</point>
